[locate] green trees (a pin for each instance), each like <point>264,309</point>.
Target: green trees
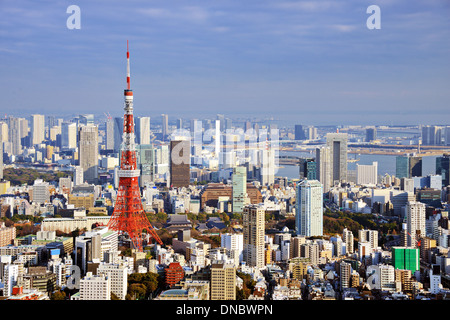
<point>142,285</point>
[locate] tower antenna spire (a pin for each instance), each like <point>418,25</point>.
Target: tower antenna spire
<point>128,68</point>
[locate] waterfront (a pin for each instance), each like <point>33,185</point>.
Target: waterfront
<point>386,164</point>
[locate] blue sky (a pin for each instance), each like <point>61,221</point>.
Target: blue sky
<point>311,62</point>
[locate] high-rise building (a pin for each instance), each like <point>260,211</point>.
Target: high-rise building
<point>367,174</point>
<point>143,130</point>
<point>95,287</point>
<point>239,188</point>
<point>89,152</point>
<point>254,222</point>
<point>371,134</point>
<point>337,142</point>
<point>408,166</point>
<point>347,237</point>
<point>415,222</point>
<point>37,128</point>
<point>69,135</point>
<point>323,168</point>
<point>109,134</point>
<point>15,134</point>
<point>165,126</point>
<point>180,163</point>
<point>309,208</point>
<point>234,244</point>
<point>223,281</point>
<point>406,258</point>
<point>369,236</point>
<point>299,132</point>
<point>118,276</point>
<point>118,132</point>
<point>307,169</point>
<point>443,168</point>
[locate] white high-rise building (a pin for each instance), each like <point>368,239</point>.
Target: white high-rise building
<point>415,222</point>
<point>95,287</point>
<point>9,278</point>
<point>143,130</point>
<point>69,135</point>
<point>367,174</point>
<point>370,236</point>
<point>323,168</point>
<point>239,188</point>
<point>234,243</point>
<point>309,208</point>
<point>118,275</point>
<point>347,237</point>
<point>37,128</point>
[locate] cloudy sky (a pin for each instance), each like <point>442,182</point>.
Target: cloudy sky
<point>312,62</point>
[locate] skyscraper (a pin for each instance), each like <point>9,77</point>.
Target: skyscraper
<point>37,128</point>
<point>299,132</point>
<point>143,130</point>
<point>69,135</point>
<point>367,174</point>
<point>307,169</point>
<point>165,126</point>
<point>89,152</point>
<point>408,166</point>
<point>15,134</point>
<point>118,132</point>
<point>323,167</point>
<point>415,222</point>
<point>309,208</point>
<point>109,134</point>
<point>179,163</point>
<point>371,134</point>
<point>239,188</point>
<point>337,142</point>
<point>253,220</point>
<point>443,168</point>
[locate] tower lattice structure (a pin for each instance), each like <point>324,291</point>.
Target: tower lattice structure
<point>129,216</point>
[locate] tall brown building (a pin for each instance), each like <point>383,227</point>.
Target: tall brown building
<point>179,163</point>
<point>210,195</point>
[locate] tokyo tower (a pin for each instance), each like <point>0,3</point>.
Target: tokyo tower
<point>128,216</point>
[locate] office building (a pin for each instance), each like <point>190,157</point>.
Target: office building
<point>337,142</point>
<point>69,135</point>
<point>37,128</point>
<point>89,153</point>
<point>109,134</point>
<point>370,236</point>
<point>347,237</point>
<point>15,134</point>
<point>118,275</point>
<point>239,178</point>
<point>143,130</point>
<point>443,168</point>
<point>307,169</point>
<point>323,168</point>
<point>253,225</point>
<point>408,166</point>
<point>95,287</point>
<point>299,132</point>
<point>179,163</point>
<point>118,133</point>
<point>371,134</point>
<point>367,174</point>
<point>406,258</point>
<point>165,125</point>
<point>223,281</point>
<point>309,208</point>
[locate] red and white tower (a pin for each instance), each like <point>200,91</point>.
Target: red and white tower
<point>129,216</point>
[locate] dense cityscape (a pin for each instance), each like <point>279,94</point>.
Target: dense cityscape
<point>231,226</point>
<point>252,156</point>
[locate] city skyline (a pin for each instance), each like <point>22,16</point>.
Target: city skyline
<point>315,62</point>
